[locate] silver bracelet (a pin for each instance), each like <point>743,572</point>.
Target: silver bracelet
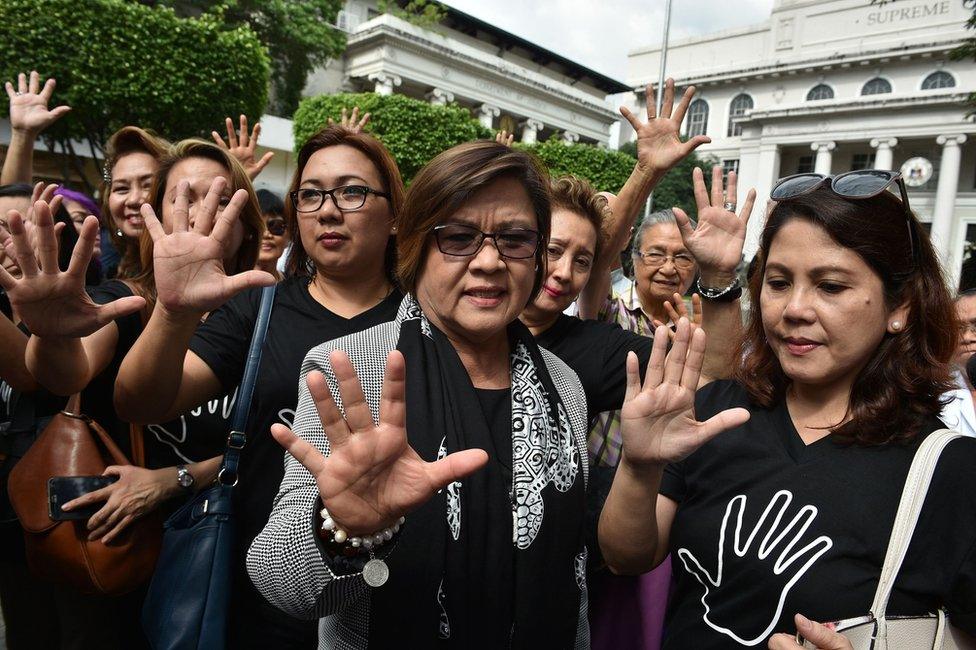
<point>712,293</point>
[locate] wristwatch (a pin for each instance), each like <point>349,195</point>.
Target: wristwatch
<point>183,477</point>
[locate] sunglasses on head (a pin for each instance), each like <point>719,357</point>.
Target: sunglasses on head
<point>860,184</point>
<point>276,227</point>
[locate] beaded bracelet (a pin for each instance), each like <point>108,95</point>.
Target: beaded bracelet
<point>710,293</point>
<point>366,542</point>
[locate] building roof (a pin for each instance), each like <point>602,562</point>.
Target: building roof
<point>477,28</point>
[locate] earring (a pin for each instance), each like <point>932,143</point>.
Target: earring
<point>896,325</point>
<point>118,232</point>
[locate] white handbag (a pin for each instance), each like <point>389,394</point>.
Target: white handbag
<point>877,630</point>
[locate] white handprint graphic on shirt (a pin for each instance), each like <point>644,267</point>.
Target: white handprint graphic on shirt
<point>788,567</point>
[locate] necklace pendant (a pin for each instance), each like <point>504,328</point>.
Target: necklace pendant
<point>376,573</point>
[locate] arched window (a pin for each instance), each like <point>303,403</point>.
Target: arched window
<point>820,92</point>
<point>876,86</point>
<point>697,118</point>
<point>740,104</point>
<point>940,79</point>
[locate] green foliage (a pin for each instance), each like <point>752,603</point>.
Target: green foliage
<point>119,63</point>
<point>676,189</point>
<point>422,13</point>
<point>967,50</point>
<point>606,169</point>
<point>298,34</point>
<point>413,131</point>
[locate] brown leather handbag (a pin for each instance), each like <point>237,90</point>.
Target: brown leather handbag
<point>59,551</point>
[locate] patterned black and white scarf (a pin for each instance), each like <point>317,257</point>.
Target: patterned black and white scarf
<point>490,561</point>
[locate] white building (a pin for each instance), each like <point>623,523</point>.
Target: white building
<point>836,85</point>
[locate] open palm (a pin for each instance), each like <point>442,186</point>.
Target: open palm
<point>28,104</point>
<point>717,241</point>
<point>370,476</point>
<point>53,303</point>
<point>659,145</point>
<point>188,262</point>
<point>658,423</point>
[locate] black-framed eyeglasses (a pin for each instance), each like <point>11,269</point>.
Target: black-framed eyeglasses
<point>345,197</point>
<point>463,240</point>
<point>276,226</point>
<point>682,261</point>
<point>859,184</point>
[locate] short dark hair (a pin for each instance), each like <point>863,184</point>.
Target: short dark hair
<point>904,381</point>
<point>270,203</point>
<point>449,180</point>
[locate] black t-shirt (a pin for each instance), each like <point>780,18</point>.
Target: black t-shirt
<point>829,510</point>
<point>597,353</point>
<point>496,406</point>
<point>298,323</point>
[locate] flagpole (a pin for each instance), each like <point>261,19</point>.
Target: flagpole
<point>660,81</point>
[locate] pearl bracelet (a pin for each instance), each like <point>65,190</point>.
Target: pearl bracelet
<point>367,542</point>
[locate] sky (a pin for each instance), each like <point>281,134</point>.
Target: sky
<point>599,33</point>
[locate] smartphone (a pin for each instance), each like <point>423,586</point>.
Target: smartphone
<point>62,489</point>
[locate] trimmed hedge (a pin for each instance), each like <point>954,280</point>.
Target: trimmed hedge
<point>120,63</point>
<point>413,131</point>
<point>606,169</point>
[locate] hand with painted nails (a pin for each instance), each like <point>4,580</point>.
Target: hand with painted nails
<point>370,476</point>
<point>29,111</point>
<point>659,145</point>
<point>53,303</point>
<point>822,635</point>
<point>657,422</point>
<point>189,259</point>
<point>352,121</point>
<point>242,146</point>
<point>716,241</point>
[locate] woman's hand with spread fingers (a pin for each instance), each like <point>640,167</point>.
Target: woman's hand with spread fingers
<point>29,111</point>
<point>370,476</point>
<point>677,309</point>
<point>242,146</point>
<point>188,261</point>
<point>658,423</point>
<point>53,303</point>
<point>352,121</point>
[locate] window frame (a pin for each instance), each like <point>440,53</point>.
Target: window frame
<point>891,87</point>
<point>820,99</point>
<point>733,128</point>
<point>692,113</point>
<point>952,77</point>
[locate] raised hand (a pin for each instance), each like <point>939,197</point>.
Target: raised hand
<point>28,104</point>
<point>188,262</point>
<point>659,145</point>
<point>657,422</point>
<point>371,476</point>
<point>717,240</point>
<point>242,146</point>
<point>676,310</point>
<point>53,303</point>
<point>778,544</point>
<point>352,121</point>
<point>822,635</point>
<point>505,138</point>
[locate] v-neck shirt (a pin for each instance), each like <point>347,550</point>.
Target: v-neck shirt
<point>829,510</point>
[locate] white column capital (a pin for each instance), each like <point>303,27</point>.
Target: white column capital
<point>951,140</point>
<point>440,97</point>
<point>530,130</point>
<point>570,137</point>
<point>824,147</point>
<point>385,82</point>
<point>489,110</point>
<point>884,143</point>
<point>535,125</point>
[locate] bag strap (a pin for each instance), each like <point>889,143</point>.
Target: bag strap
<point>909,508</point>
<point>236,438</point>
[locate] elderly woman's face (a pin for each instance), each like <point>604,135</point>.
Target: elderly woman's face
<point>657,281</point>
<point>572,247</point>
<point>473,298</point>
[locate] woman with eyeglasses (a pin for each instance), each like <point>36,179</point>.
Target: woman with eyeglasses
<point>343,203</point>
<point>457,520</point>
<point>790,509</point>
<point>276,237</point>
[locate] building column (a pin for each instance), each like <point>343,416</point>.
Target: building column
<point>487,114</point>
<point>824,156</point>
<point>385,83</point>
<point>883,155</point>
<point>569,137</point>
<point>440,97</point>
<point>945,194</point>
<point>530,131</point>
<point>759,170</point>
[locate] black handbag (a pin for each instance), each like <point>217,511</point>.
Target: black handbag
<point>189,596</point>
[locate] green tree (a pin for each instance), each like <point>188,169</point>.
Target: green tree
<point>606,169</point>
<point>120,63</point>
<point>967,51</point>
<point>422,13</point>
<point>413,131</point>
<point>299,35</point>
